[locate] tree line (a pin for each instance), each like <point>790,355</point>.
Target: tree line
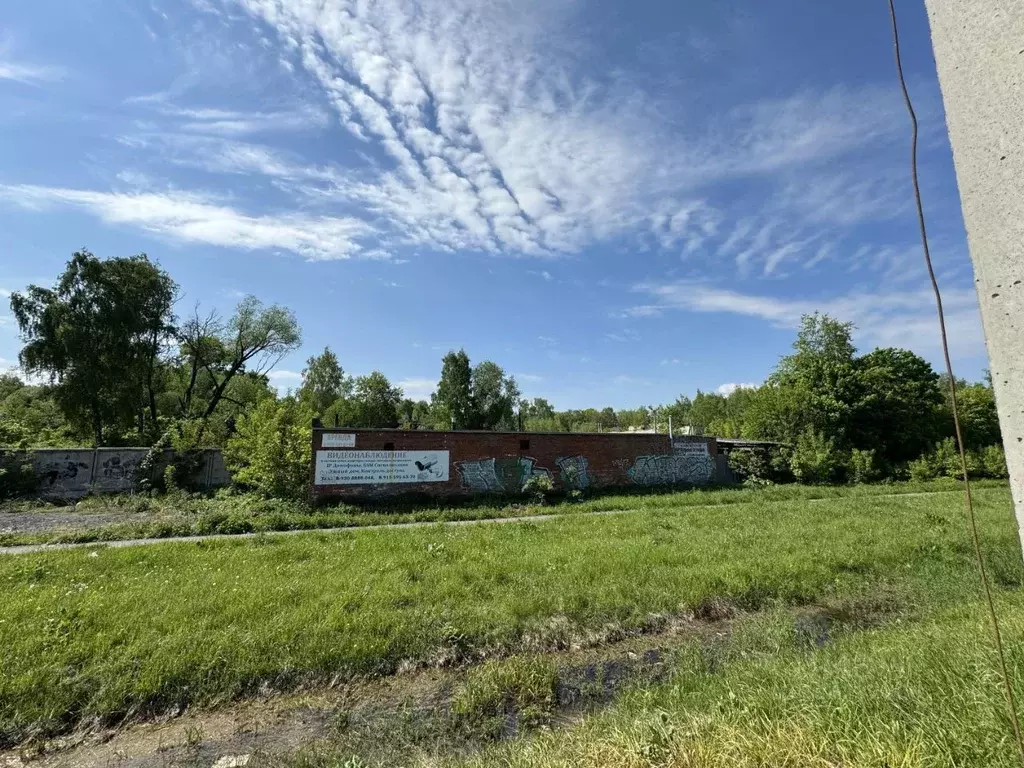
<point>120,367</point>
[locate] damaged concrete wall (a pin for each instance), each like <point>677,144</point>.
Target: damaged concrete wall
<point>70,473</point>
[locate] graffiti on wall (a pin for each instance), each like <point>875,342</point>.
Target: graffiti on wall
<point>119,468</point>
<point>673,469</point>
<point>501,475</point>
<point>58,472</point>
<point>573,471</point>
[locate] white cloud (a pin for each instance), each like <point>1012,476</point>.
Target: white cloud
<point>230,156</point>
<point>728,389</point>
<point>135,179</point>
<point>531,378</point>
<point>21,71</point>
<point>418,388</point>
<point>197,219</point>
<point>284,381</point>
<point>495,143</point>
<point>883,318</point>
<point>230,122</point>
<point>29,74</point>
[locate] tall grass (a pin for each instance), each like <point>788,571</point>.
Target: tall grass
<point>923,695</point>
<point>115,633</point>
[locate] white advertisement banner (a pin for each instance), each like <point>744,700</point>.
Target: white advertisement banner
<point>338,440</point>
<point>378,467</point>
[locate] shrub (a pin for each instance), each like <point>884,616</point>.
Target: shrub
<point>923,468</point>
<point>946,459</point>
<point>864,467</point>
<point>271,451</point>
<point>539,488</point>
<point>993,461</point>
<point>761,466</point>
<point>17,475</point>
<point>816,459</point>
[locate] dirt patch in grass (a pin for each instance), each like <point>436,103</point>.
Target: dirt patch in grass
<point>441,710</point>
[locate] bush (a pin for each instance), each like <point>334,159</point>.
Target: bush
<point>993,461</point>
<point>816,460</point>
<point>761,466</point>
<point>864,467</point>
<point>944,461</point>
<point>17,475</point>
<point>923,468</point>
<point>272,449</point>
<point>539,488</point>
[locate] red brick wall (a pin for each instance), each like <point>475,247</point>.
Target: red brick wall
<point>481,462</point>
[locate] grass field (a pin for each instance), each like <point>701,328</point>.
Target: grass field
<point>920,695</point>
<point>122,517</point>
<point>105,635</point>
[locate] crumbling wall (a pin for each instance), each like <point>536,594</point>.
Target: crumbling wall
<point>70,473</point>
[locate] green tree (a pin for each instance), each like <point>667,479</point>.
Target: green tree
<point>538,416</point>
<point>31,418</point>
<point>375,403</point>
<point>452,402</point>
<point>607,419</point>
<point>271,450</point>
<point>9,383</point>
<point>254,340</point>
<point>493,397</point>
<point>823,375</point>
<point>637,418</point>
<point>414,414</point>
<point>897,411</point>
<point>775,412</point>
<point>98,335</point>
<point>323,382</point>
<point>979,419</point>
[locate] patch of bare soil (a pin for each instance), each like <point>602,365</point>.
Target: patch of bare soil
<point>414,704</point>
<point>385,719</point>
<point>58,522</point>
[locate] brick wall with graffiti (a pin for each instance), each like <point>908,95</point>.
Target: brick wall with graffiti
<point>381,463</point>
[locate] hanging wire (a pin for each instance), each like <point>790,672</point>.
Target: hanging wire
<point>968,500</point>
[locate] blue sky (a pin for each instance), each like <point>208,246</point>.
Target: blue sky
<point>618,202</point>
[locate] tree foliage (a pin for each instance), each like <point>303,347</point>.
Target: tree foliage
<point>97,335</point>
<point>452,402</point>
<point>254,340</point>
<point>271,450</point>
<point>323,382</point>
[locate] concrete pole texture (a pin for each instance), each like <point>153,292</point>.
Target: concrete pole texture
<point>979,52</point>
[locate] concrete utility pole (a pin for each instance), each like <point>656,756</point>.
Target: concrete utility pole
<point>979,50</point>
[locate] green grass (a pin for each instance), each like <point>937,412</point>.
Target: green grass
<point>234,513</point>
<point>109,634</point>
<point>920,695</point>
